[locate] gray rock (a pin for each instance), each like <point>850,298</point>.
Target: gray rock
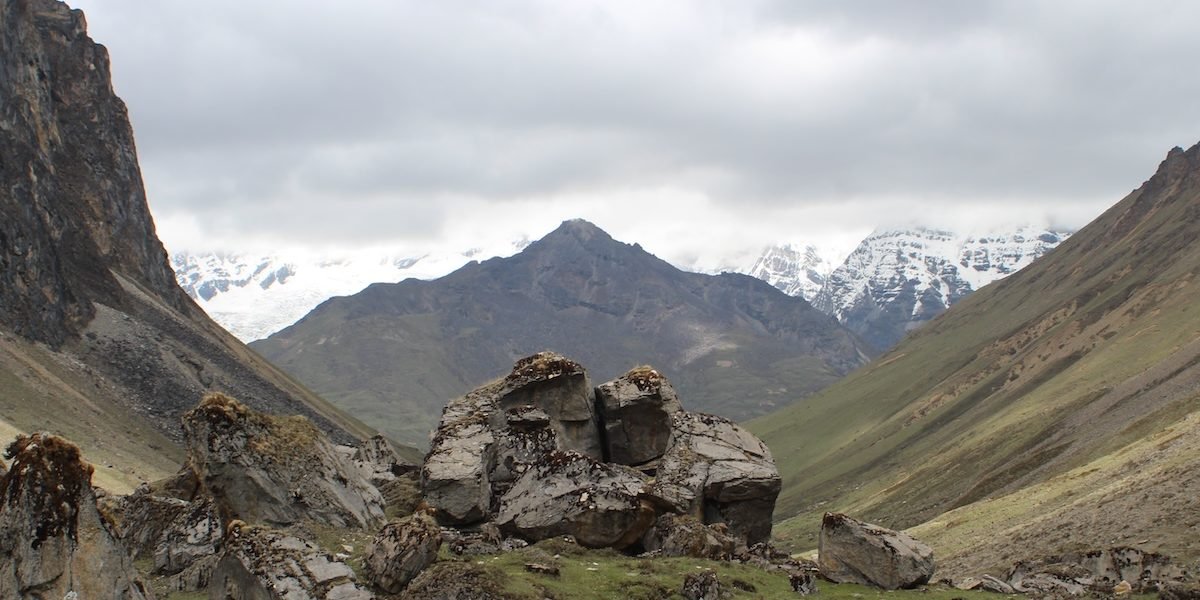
<point>454,580</point>
<point>559,387</point>
<point>851,551</point>
<point>636,411</point>
<point>599,504</point>
<point>275,470</point>
<point>702,586</point>
<point>53,540</point>
<point>454,479</point>
<point>684,535</point>
<point>719,472</point>
<point>263,564</point>
<point>193,535</point>
<point>379,461</point>
<point>401,550</point>
<point>803,583</point>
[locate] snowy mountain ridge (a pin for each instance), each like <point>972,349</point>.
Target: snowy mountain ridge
<point>898,279</point>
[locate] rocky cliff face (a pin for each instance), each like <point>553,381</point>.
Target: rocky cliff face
<point>76,213</point>
<point>95,335</point>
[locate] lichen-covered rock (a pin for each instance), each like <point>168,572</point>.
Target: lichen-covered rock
<point>454,479</point>
<point>453,580</point>
<point>851,551</point>
<point>636,411</point>
<point>193,535</point>
<point>684,535</point>
<point>275,470</point>
<point>53,540</point>
<point>263,564</point>
<point>401,550</point>
<point>559,387</point>
<point>703,585</point>
<point>599,504</point>
<point>720,473</point>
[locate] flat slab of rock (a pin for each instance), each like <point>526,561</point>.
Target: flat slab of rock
<point>636,411</point>
<point>852,551</point>
<point>275,470</point>
<point>600,504</point>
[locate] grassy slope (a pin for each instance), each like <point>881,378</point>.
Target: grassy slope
<point>1088,350</point>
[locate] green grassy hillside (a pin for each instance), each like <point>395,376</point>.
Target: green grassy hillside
<point>1063,365</point>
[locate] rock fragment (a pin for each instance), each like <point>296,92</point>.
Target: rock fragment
<point>401,550</point>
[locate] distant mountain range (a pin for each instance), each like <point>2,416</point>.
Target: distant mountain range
<point>894,281</point>
<point>393,353</point>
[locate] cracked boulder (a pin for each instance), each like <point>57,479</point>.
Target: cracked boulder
<point>275,470</point>
<point>559,387</point>
<point>636,411</point>
<point>851,551</point>
<point>718,472</point>
<point>600,504</point>
<point>263,564</point>
<point>54,543</point>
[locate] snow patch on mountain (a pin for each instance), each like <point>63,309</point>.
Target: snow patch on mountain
<point>255,295</point>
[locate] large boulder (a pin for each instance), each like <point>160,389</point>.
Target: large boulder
<point>719,472</point>
<point>636,410</point>
<point>54,543</point>
<point>275,470</point>
<point>600,504</point>
<point>401,550</point>
<point>174,533</point>
<point>851,551</point>
<point>525,452</point>
<point>262,564</point>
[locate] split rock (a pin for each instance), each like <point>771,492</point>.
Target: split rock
<point>636,410</point>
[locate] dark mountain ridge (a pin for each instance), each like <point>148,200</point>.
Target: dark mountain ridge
<point>397,352</point>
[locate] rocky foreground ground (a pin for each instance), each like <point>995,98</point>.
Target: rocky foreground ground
<point>536,486</point>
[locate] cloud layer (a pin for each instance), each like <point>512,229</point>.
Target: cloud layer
<point>388,121</point>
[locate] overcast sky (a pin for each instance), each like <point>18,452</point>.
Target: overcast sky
<point>695,128</point>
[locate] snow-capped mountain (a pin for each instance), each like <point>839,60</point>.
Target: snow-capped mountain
<point>898,279</point>
<point>255,295</point>
<point>795,270</point>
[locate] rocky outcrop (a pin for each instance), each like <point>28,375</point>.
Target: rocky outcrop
<point>851,551</point>
<point>500,454</point>
<point>719,472</point>
<point>54,543</point>
<point>263,564</point>
<point>636,410</point>
<point>401,550</point>
<point>275,470</point>
<point>599,504</point>
<point>1097,571</point>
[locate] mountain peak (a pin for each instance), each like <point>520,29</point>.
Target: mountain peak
<point>581,229</point>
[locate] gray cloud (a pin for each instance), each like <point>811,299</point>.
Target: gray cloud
<point>373,120</point>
